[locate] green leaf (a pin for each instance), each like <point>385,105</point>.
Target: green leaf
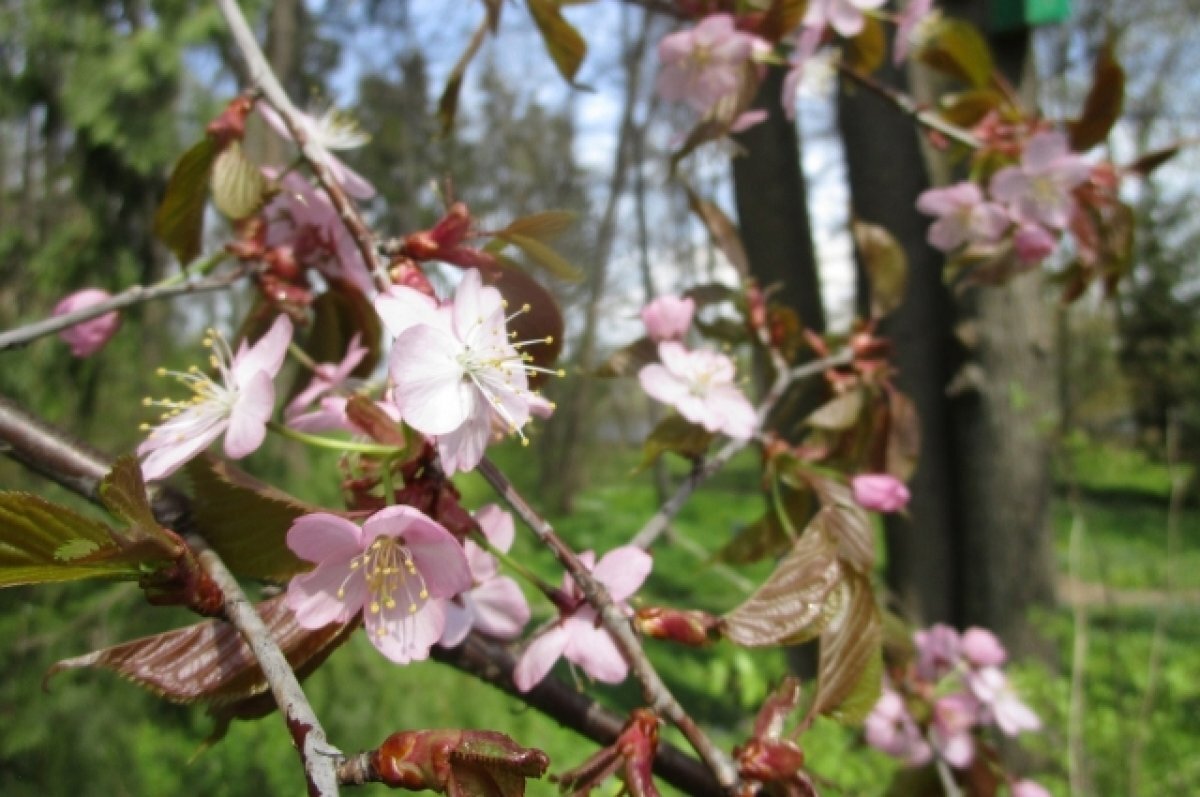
<point>543,255</point>
<point>967,108</point>
<point>886,265</point>
<point>1104,102</point>
<point>838,414</point>
<point>123,493</point>
<point>238,186</point>
<point>764,538</point>
<point>677,435</point>
<point>956,48</point>
<point>179,220</point>
<point>244,520</point>
<point>547,224</point>
<point>866,52</point>
<point>850,666</point>
<point>42,542</point>
<point>563,43</point>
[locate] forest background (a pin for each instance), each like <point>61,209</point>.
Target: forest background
<point>98,99</point>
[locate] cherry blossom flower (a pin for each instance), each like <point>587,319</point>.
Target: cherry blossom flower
<point>1000,704</point>
<point>953,718</point>
<point>907,25</point>
<point>699,384</point>
<point>938,651</point>
<point>668,317</point>
<point>394,569</point>
<point>808,40</point>
<point>327,377</point>
<point>1038,191</point>
<point>879,492</point>
<point>238,403</point>
<point>963,216</point>
<point>576,634</point>
<point>1028,788</point>
<point>87,337</point>
<point>1033,243</point>
<point>844,16</point>
<point>455,369</point>
<point>303,218</point>
<point>703,65</point>
<point>892,730</point>
<point>981,648</point>
<point>332,130</point>
<point>495,605</point>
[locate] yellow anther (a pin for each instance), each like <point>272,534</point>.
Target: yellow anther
<point>412,608</point>
<point>374,607</point>
<point>147,402</point>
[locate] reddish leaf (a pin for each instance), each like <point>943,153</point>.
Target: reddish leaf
<point>886,265</point>
<point>244,520</point>
<point>1104,102</point>
<point>458,763</point>
<point>866,52</point>
<point>628,360</point>
<point>210,662</point>
<point>123,493</point>
<point>677,435</point>
<point>722,231</point>
<point>338,314</point>
<point>543,255</point>
<point>781,19</point>
<point>850,668</point>
<point>379,426</point>
<point>179,220</point>
<point>904,436</point>
<point>840,413</point>
<point>1152,160</point>
<point>956,48</point>
<point>968,108</point>
<point>765,537</point>
<point>543,320</point>
<point>792,605</point>
<point>845,522</point>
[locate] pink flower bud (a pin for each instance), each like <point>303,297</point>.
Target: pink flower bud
<point>981,648</point>
<point>668,318</point>
<point>880,492</point>
<point>87,337</point>
<point>1029,788</point>
<point>1033,243</point>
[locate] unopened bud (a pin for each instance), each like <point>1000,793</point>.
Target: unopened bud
<point>687,627</point>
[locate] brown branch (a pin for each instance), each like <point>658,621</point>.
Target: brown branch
<point>79,468</point>
<point>129,297</point>
<point>910,107</point>
<point>656,525</point>
<point>314,154</point>
<point>655,692</point>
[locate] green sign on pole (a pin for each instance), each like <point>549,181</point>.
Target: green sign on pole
<point>1013,14</point>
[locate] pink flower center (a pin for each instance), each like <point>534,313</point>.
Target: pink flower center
<point>218,397</point>
<point>390,573</point>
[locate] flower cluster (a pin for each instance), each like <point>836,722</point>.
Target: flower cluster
<point>699,384</point>
<point>955,688</point>
<point>706,64</point>
<point>1033,200</point>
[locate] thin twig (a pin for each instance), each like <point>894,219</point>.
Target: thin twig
<point>655,692</point>
<point>656,525</point>
<point>317,157</point>
<point>909,106</point>
<point>45,450</point>
<point>129,297</point>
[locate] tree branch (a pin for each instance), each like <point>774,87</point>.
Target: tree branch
<point>656,693</point>
<point>316,156</point>
<point>80,469</point>
<point>910,107</point>
<point>129,297</point>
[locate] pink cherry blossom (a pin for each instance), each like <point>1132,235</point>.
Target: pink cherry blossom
<point>576,634</point>
<point>1029,788</point>
<point>808,40</point>
<point>938,652</point>
<point>455,369</point>
<point>1038,191</point>
<point>999,702</point>
<point>87,337</point>
<point>963,216</point>
<point>981,648</point>
<point>332,130</point>
<point>915,12</point>
<point>668,318</point>
<point>844,16</point>
<point>703,65</point>
<point>879,492</point>
<point>394,569</point>
<point>495,606</point>
<point>303,218</point>
<point>1033,243</point>
<point>327,377</point>
<point>950,732</point>
<point>238,403</point>
<point>892,730</point>
<point>700,385</point>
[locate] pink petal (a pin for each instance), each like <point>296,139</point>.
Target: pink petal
<point>436,553</point>
<point>500,608</point>
<point>314,599</point>
<point>989,222</point>
<point>403,307</point>
<point>459,620</point>
<point>538,658</point>
<point>330,416</point>
<point>249,416</point>
<point>593,649</point>
<point>623,570</point>
<point>404,636</point>
<point>462,449</point>
<point>266,354</point>
<point>1009,184</point>
<point>482,564</point>
<point>475,305</point>
<point>736,413</point>
<point>948,233</point>
<point>430,392</point>
<point>87,337</point>
<point>497,526</point>
<point>845,18</point>
<point>165,452</point>
<point>1043,150</point>
<point>322,537</point>
<point>661,384</point>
